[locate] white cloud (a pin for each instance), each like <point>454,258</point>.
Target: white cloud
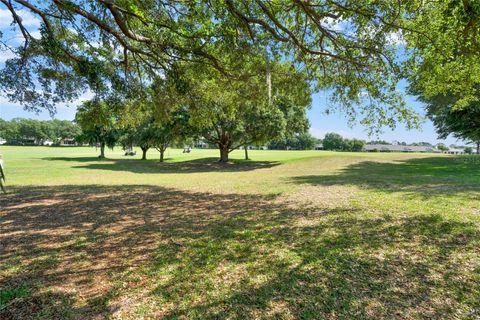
<point>338,25</point>
<point>5,55</point>
<point>396,38</point>
<point>5,18</point>
<point>36,34</point>
<point>28,18</point>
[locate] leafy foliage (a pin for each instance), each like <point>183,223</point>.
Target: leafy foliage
<point>334,141</point>
<point>302,141</point>
<point>98,121</point>
<point>30,131</point>
<point>444,68</point>
<point>124,45</point>
<point>233,114</point>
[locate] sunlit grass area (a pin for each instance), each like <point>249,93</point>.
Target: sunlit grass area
<point>286,235</point>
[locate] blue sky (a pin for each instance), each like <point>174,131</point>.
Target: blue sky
<point>320,122</point>
<point>336,122</point>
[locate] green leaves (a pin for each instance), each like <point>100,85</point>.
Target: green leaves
<point>444,69</point>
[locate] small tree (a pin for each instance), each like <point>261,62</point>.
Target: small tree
<point>144,136</point>
<point>357,145</point>
<point>333,141</point>
<point>163,133</point>
<point>304,141</point>
<point>468,150</point>
<point>442,147</point>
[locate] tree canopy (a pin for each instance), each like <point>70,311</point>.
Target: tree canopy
<point>443,69</point>
<point>230,114</point>
<point>348,48</point>
<point>30,131</point>
<point>98,121</point>
<point>124,45</point>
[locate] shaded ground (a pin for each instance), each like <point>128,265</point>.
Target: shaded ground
<point>429,177</point>
<point>154,166</point>
<point>346,245</point>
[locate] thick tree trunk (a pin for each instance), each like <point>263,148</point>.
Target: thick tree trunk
<point>246,153</point>
<point>223,153</point>
<point>144,153</point>
<point>102,150</point>
<point>478,147</point>
<point>162,152</point>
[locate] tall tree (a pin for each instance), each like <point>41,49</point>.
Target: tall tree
<point>231,114</point>
<point>98,121</point>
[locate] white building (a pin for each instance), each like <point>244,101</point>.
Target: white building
<point>398,148</point>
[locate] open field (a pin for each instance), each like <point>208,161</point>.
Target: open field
<point>287,235</point>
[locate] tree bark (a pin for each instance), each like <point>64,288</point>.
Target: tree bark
<point>223,153</point>
<point>246,152</point>
<point>162,152</point>
<point>144,152</point>
<point>478,147</point>
<point>102,150</point>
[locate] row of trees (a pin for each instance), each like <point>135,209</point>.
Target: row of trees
<point>29,131</point>
<point>302,141</point>
<point>200,102</point>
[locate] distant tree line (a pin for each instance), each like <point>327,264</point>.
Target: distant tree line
<point>38,132</point>
<point>303,141</point>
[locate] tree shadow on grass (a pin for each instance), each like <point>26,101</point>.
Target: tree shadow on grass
<point>366,269</point>
<point>427,177</point>
<point>130,251</point>
<point>154,166</point>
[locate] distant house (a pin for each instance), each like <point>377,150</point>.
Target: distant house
<point>201,145</point>
<point>253,148</point>
<point>29,141</point>
<point>398,148</point>
<point>454,151</point>
<point>67,142</point>
<point>319,146</point>
<point>3,141</point>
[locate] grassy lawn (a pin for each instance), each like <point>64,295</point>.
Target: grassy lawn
<point>286,235</point>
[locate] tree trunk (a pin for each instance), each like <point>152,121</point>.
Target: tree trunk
<point>102,150</point>
<point>144,153</point>
<point>223,153</point>
<point>162,152</point>
<point>246,152</point>
<point>478,147</point>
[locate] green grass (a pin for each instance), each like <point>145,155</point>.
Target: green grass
<point>9,294</point>
<point>286,235</point>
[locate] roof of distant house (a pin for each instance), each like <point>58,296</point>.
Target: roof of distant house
<point>399,148</point>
